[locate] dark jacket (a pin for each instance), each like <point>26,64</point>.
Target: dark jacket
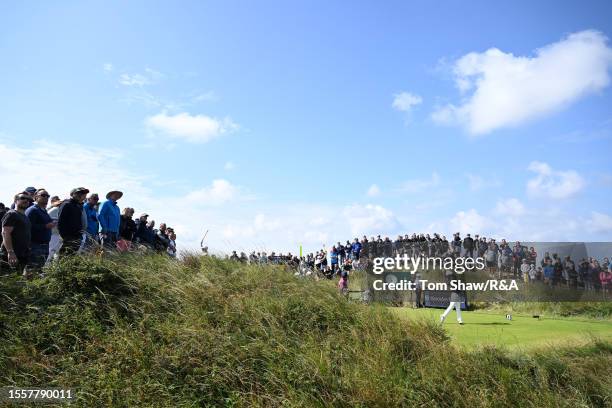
<point>39,220</point>
<point>127,228</point>
<point>162,241</point>
<point>468,243</point>
<point>70,220</point>
<point>142,233</point>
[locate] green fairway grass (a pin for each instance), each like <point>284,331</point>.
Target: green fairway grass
<point>522,332</point>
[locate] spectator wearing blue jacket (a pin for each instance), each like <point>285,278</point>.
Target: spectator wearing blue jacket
<point>91,211</point>
<point>333,259</point>
<point>110,219</point>
<point>549,273</point>
<point>356,249</point>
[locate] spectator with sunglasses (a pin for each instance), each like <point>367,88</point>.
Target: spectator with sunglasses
<point>41,226</point>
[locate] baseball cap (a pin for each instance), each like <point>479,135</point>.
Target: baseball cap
<point>79,190</point>
<point>23,195</point>
<point>30,190</point>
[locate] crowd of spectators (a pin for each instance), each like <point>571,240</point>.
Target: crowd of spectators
<point>501,258</point>
<point>38,228</point>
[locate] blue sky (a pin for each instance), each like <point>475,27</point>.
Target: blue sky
<point>273,124</point>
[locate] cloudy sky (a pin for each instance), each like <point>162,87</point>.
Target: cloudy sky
<point>274,124</point>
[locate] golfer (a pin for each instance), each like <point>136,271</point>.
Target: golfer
<point>455,299</point>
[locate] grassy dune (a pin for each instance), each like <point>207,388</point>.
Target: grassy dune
<point>147,331</point>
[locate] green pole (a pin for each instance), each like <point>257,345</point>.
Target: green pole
<point>300,251</point>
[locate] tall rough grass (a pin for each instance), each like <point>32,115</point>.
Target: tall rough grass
<point>149,331</point>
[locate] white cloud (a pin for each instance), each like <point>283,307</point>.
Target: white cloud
<point>511,207</point>
<point>373,191</point>
<point>419,185</point>
<point>262,223</point>
<point>477,183</point>
<point>507,90</point>
<point>370,219</point>
<point>404,101</point>
<point>599,222</point>
<point>192,128</point>
<point>229,166</point>
<point>205,97</point>
<point>134,80</point>
<point>469,222</point>
<point>220,192</point>
<point>61,167</point>
<point>148,77</point>
<point>553,183</point>
<point>108,67</point>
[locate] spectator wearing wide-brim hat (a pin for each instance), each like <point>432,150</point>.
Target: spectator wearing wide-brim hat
<point>117,195</point>
<point>110,219</point>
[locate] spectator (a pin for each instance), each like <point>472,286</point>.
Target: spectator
<point>141,229</point>
<point>70,221</point>
<point>110,219</point>
<point>56,240</point>
<point>525,268</point>
<point>517,256</point>
<point>3,211</point>
<point>418,301</point>
<point>127,229</point>
<point>341,253</point>
<point>605,278</point>
<point>545,260</point>
<point>569,272</point>
<point>333,259</point>
<point>594,271</point>
<point>41,226</point>
<point>584,270</point>
<point>456,245</point>
<point>533,274</point>
<point>343,283</point>
<point>549,273</point>
<point>491,256</point>
<point>16,234</point>
<point>172,244</point>
<point>31,191</point>
<point>539,274</point>
<point>356,249</point>
<point>468,245</point>
<point>91,211</point>
<point>532,256</point>
<point>162,241</point>
<point>151,233</point>
<point>558,270</point>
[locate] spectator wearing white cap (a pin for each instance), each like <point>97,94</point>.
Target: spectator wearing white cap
<point>56,240</point>
<point>70,221</point>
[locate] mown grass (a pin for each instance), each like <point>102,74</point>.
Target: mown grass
<point>148,331</point>
<point>523,332</point>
